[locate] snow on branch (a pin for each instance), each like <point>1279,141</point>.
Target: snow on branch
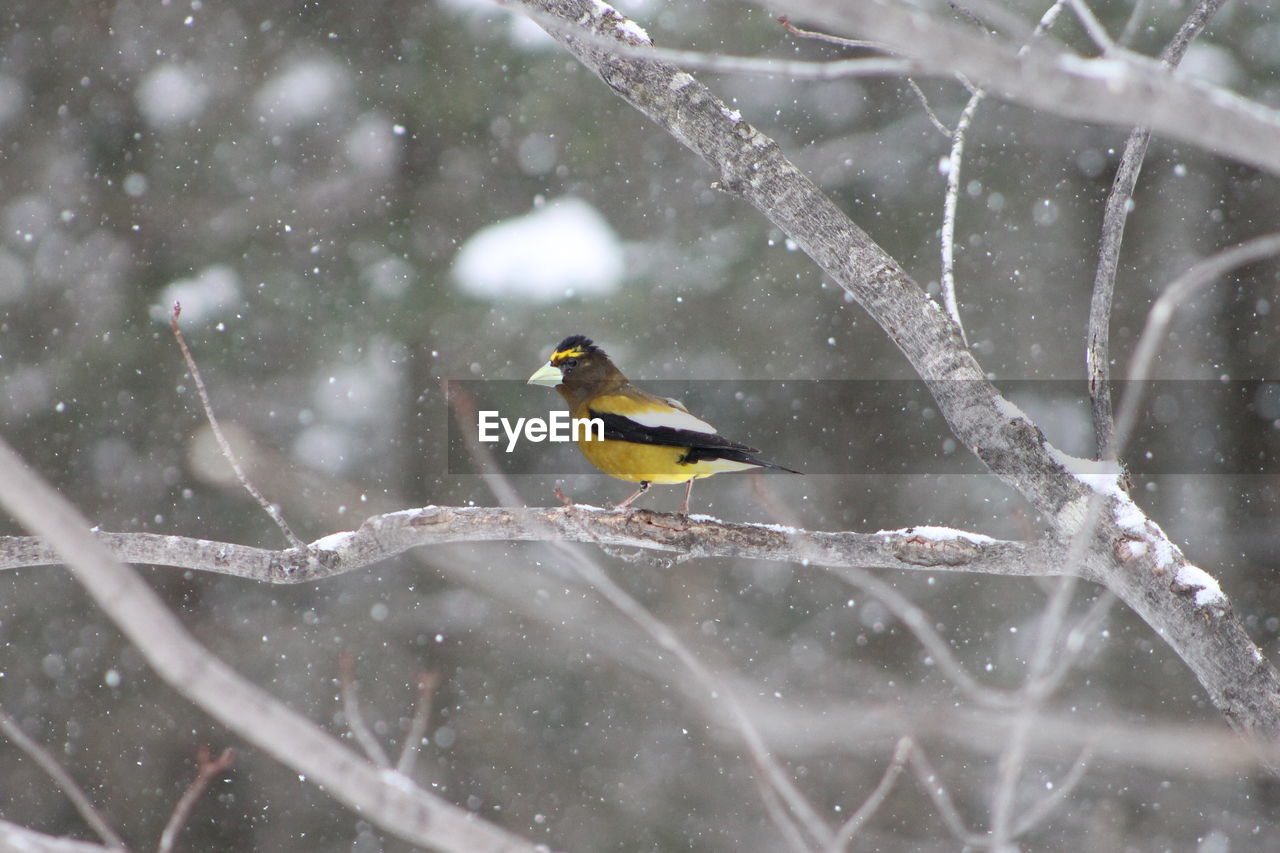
<point>1121,87</point>
<point>384,536</point>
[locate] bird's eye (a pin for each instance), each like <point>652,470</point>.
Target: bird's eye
<point>570,363</point>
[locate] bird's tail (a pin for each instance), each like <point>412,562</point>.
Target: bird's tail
<point>741,454</point>
<point>774,465</point>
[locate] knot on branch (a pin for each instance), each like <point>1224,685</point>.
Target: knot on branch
<point>298,563</point>
<point>928,551</point>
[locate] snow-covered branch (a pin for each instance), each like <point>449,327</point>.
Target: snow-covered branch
<point>384,536</point>
<point>1120,88</point>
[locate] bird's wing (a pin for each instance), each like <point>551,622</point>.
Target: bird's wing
<point>645,419</point>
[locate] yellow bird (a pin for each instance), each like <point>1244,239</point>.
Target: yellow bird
<point>647,439</point>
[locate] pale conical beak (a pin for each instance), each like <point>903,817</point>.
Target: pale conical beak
<point>547,375</point>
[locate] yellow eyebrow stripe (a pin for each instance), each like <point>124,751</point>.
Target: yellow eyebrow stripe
<point>575,352</point>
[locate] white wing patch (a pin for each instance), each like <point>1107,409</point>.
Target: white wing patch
<point>673,418</point>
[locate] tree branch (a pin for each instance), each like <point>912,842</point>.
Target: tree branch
<point>380,796</point>
<point>1128,552</point>
<point>64,780</point>
<point>19,839</point>
<point>385,536</point>
<point>1115,214</point>
<point>1121,90</point>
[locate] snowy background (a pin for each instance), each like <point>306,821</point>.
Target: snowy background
<point>355,203</point>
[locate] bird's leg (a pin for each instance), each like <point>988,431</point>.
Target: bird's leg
<point>684,510</point>
<point>644,487</point>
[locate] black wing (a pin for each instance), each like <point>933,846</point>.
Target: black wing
<point>701,445</point>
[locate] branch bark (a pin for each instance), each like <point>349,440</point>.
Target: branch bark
<point>1116,212</point>
<point>1126,90</point>
<point>384,536</point>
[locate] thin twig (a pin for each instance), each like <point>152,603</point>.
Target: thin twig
<point>869,45</point>
<point>13,731</point>
<point>427,684</point>
<point>1047,804</point>
<point>1162,312</point>
<point>951,202</point>
<point>463,405</point>
<point>932,784</point>
<point>1115,214</point>
<point>208,767</point>
<point>1132,25</point>
<point>1036,688</point>
<point>928,109</point>
<point>1097,33</point>
<point>869,66</point>
<point>908,612</point>
<point>992,16</point>
<point>840,41</point>
<point>227,453</point>
<point>918,622</point>
<point>901,753</point>
<point>351,710</point>
<point>1074,644</point>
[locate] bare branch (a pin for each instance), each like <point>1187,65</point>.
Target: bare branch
<point>1121,90</point>
<point>1134,22</point>
<point>932,784</point>
<point>382,797</point>
<point>839,41</point>
<point>719,63</point>
<point>1093,26</point>
<point>351,710</point>
<point>1048,804</point>
<point>939,651</point>
<point>268,507</point>
<point>207,769</point>
<point>950,204</point>
<point>898,763</point>
<point>951,201</point>
<point>19,839</point>
<point>928,109</point>
<point>385,536</point>
<point>816,727</point>
<point>870,45</point>
<point>427,684</point>
<point>13,731</point>
<point>1162,313</point>
<point>1115,214</point>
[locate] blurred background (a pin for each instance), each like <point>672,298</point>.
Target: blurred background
<point>357,203</point>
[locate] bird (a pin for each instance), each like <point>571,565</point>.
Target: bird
<point>647,439</point>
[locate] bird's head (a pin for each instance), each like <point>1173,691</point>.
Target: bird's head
<point>578,368</point>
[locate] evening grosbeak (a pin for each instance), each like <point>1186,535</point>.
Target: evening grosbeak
<point>647,439</point>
